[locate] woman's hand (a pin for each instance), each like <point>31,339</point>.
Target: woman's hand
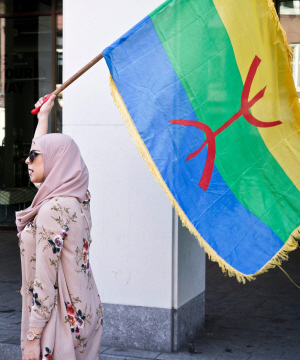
<point>32,350</point>
<point>46,108</point>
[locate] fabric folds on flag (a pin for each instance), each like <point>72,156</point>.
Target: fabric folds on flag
<point>206,91</point>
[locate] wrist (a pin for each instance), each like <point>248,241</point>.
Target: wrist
<point>34,341</point>
<point>42,117</point>
<point>34,334</point>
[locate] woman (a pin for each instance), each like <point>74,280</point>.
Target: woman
<point>61,311</point>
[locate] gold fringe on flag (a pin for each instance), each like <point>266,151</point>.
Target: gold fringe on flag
<point>291,243</point>
<point>274,15</point>
<point>294,101</point>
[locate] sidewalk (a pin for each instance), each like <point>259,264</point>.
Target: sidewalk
<point>256,321</point>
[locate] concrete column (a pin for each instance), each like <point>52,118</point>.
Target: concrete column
<point>149,270</point>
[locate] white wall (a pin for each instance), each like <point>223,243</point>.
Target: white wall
<point>191,266</point>
<point>131,254</point>
<point>132,218</point>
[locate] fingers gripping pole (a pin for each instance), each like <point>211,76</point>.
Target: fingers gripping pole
<point>37,109</point>
<point>69,81</point>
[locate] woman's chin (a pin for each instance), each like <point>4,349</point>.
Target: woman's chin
<point>34,180</point>
<point>37,184</point>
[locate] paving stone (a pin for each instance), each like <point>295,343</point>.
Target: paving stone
<point>10,352</point>
<point>13,340</point>
<point>234,356</point>
<point>266,357</point>
<point>103,348</point>
<point>184,356</point>
<point>131,352</point>
<point>111,357</point>
<point>292,355</point>
<point>117,357</point>
<point>227,349</point>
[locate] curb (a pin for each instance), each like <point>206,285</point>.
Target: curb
<point>13,352</point>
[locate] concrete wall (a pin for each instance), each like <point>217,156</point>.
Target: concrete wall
<point>191,267</point>
<point>136,237</point>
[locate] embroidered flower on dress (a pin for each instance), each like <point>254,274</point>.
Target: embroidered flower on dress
<point>63,233</point>
<point>77,330</point>
<point>72,321</point>
<point>48,354</point>
<point>58,242</point>
<point>87,198</point>
<point>79,321</point>
<point>76,319</point>
<point>70,309</point>
<point>29,226</point>
<point>35,300</point>
<point>85,256</point>
<point>86,245</point>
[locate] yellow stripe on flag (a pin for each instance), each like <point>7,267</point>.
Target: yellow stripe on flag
<point>254,30</point>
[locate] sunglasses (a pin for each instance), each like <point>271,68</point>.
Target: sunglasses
<point>32,155</point>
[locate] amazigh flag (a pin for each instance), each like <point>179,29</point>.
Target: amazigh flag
<point>206,90</point>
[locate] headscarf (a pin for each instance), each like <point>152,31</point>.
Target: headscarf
<point>65,174</point>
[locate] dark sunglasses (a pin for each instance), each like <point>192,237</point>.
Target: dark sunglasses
<point>32,155</point>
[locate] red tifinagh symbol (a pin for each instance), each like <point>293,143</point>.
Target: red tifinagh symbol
<point>211,135</point>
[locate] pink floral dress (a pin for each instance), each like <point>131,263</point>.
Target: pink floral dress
<point>58,288</point>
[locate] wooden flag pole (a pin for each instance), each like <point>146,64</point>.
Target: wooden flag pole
<point>70,81</point>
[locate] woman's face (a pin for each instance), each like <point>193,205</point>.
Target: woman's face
<point>36,168</point>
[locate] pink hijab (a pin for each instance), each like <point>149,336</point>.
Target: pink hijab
<point>65,174</point>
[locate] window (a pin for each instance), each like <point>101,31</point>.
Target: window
<point>31,66</point>
<point>290,7</point>
<point>289,13</point>
<point>296,65</point>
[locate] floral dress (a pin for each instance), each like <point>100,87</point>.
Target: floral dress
<point>58,288</point>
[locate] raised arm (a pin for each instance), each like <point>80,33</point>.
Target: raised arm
<point>42,127</point>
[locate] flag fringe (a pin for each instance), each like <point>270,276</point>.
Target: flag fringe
<point>290,245</point>
<point>293,99</point>
<point>274,15</point>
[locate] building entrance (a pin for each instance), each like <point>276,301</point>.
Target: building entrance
<point>31,66</point>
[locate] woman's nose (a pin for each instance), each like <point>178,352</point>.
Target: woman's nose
<point>27,161</point>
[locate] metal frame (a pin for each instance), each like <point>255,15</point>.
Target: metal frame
<point>33,13</point>
<point>53,63</point>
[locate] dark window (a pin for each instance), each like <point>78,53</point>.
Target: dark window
<point>31,66</point>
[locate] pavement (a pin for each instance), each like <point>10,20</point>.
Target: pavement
<point>256,321</point>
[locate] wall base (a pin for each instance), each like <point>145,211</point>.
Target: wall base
<point>155,329</point>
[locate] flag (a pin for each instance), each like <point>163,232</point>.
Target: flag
<point>206,91</point>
